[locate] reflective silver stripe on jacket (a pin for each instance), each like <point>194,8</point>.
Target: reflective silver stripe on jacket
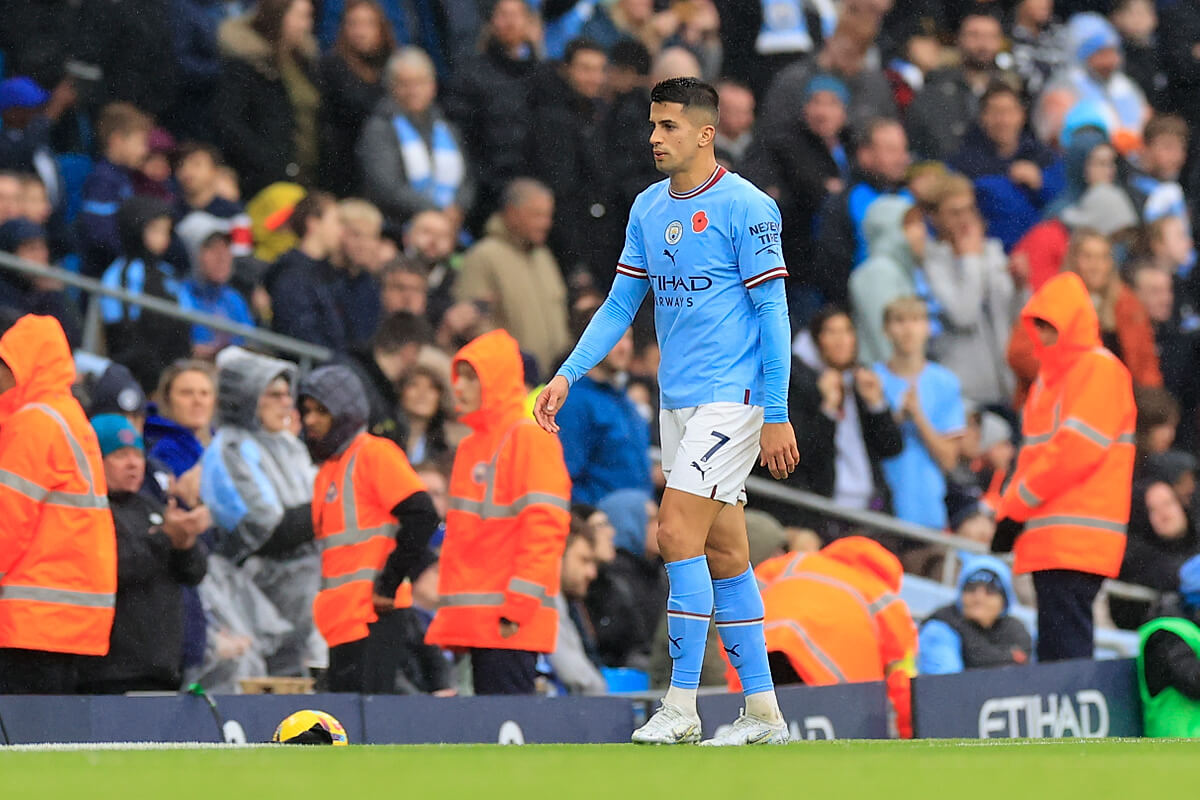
<point>351,533</point>
<point>1082,522</point>
<point>1042,438</point>
<point>365,574</point>
<point>1027,497</point>
<point>488,508</point>
<point>492,599</point>
<point>44,594</point>
<point>31,489</point>
<point>821,655</point>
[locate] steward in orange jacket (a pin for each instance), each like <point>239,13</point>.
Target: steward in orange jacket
<point>1071,489</point>
<point>372,519</point>
<point>838,618</point>
<point>58,547</point>
<point>507,526</point>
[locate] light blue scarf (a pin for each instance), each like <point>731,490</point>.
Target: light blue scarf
<point>437,174</point>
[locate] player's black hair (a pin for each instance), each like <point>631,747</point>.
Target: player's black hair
<point>688,92</point>
<point>401,328</point>
<point>630,54</point>
<point>579,45</point>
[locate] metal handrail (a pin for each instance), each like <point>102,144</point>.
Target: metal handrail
<point>907,530</point>
<point>307,354</point>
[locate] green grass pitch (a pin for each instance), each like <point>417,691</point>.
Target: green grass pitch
<point>878,770</point>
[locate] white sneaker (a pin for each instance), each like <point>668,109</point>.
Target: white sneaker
<point>749,730</point>
<point>669,725</point>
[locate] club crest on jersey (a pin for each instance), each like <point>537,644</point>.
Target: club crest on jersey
<point>674,232</point>
<point>699,222</point>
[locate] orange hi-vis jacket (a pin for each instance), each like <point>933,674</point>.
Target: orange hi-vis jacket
<point>838,617</point>
<point>353,500</point>
<point>1074,473</point>
<point>58,548</point>
<point>509,516</point>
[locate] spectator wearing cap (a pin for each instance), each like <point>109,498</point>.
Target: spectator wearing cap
<point>943,111</point>
<point>1016,177</point>
<point>116,391</point>
<point>1095,73</point>
<point>1168,664</point>
<point>209,246</point>
<point>158,554</point>
<point>1162,537</point>
<point>33,294</point>
<point>144,341</point>
<point>803,165</point>
<point>153,177</point>
<point>27,113</point>
<point>844,55</point>
<point>977,631</point>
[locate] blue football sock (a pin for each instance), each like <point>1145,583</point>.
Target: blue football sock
<point>689,608</point>
<point>740,622</point>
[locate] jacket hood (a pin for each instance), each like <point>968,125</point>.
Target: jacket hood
<point>36,350</point>
<point>243,377</point>
<point>1083,142</point>
<point>1088,33</point>
<point>496,358</point>
<point>341,392</point>
<point>1063,301</point>
<point>495,227</point>
<point>867,556</point>
<point>973,565</point>
<point>626,510</point>
<point>236,38</point>
<point>883,227</point>
<point>132,218</point>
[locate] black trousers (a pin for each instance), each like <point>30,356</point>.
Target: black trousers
<point>38,672</point>
<point>1065,628</point>
<point>503,671</point>
<point>393,659</point>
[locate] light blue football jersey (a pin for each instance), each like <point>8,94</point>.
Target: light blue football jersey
<point>702,252</point>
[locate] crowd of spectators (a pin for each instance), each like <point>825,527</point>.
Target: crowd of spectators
<point>391,179</point>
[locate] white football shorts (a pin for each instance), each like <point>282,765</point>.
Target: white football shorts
<point>709,450</point>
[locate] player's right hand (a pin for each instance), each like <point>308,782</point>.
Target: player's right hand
<point>546,407</point>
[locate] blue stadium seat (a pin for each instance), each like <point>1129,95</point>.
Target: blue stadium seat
<point>74,169</point>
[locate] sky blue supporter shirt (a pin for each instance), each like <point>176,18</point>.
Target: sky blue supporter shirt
<point>700,252</point>
<point>917,482</point>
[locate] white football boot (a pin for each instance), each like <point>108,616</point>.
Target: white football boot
<point>749,730</point>
<point>669,725</point>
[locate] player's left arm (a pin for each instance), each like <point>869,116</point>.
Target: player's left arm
<point>760,262</point>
